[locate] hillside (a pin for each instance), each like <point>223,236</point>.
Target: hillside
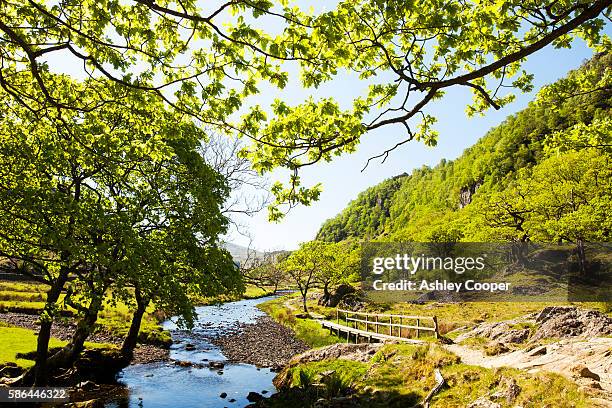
<point>468,198</point>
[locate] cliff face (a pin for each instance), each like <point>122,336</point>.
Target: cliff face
<point>466,194</point>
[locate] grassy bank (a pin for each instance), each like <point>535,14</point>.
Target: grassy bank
<point>17,342</point>
<point>450,315</point>
<point>114,319</point>
<point>251,292</point>
<point>402,375</point>
<point>307,330</point>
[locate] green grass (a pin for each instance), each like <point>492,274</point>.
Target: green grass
<point>349,371</point>
<point>307,330</point>
<point>251,292</point>
<point>11,286</point>
<point>16,340</point>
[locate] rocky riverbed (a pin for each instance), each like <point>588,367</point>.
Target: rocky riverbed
<point>263,343</point>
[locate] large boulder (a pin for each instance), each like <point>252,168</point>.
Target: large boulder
<point>333,299</point>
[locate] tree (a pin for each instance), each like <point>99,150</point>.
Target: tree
<point>407,53</point>
<point>303,264</point>
<point>338,263</point>
<point>110,199</point>
<point>570,196</point>
<point>267,270</point>
<point>565,198</point>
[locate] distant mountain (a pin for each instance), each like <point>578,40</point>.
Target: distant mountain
<point>241,253</point>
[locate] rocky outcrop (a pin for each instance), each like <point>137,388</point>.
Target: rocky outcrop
<point>466,194</point>
<point>570,321</point>
<point>501,332</point>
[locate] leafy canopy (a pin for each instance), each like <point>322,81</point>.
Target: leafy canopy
<point>212,62</point>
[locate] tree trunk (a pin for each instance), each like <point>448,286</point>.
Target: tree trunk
<point>69,353</point>
<point>130,341</point>
<point>582,262</point>
<point>40,370</point>
<point>304,301</point>
<point>326,294</point>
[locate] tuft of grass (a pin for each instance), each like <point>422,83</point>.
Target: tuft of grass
<point>335,384</point>
<point>304,378</point>
<point>345,372</point>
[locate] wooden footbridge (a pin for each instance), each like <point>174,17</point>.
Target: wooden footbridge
<point>380,327</point>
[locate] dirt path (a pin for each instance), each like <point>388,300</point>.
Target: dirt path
<point>559,357</point>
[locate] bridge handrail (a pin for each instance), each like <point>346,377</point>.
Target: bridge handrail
<point>390,324</point>
<point>387,315</point>
<point>399,325</point>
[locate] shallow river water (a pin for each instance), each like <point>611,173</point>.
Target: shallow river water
<point>166,385</point>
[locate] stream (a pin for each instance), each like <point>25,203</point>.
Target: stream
<point>167,385</point>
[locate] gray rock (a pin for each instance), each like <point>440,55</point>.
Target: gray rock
<point>570,321</point>
<point>254,396</point>
<point>216,364</point>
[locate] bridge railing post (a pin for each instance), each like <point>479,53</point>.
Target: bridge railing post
<point>436,331</point>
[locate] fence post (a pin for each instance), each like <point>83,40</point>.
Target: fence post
<point>418,332</point>
<point>400,327</point>
<point>435,321</point>
<point>337,316</point>
<point>366,323</point>
<point>390,325</point>
<point>376,324</point>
